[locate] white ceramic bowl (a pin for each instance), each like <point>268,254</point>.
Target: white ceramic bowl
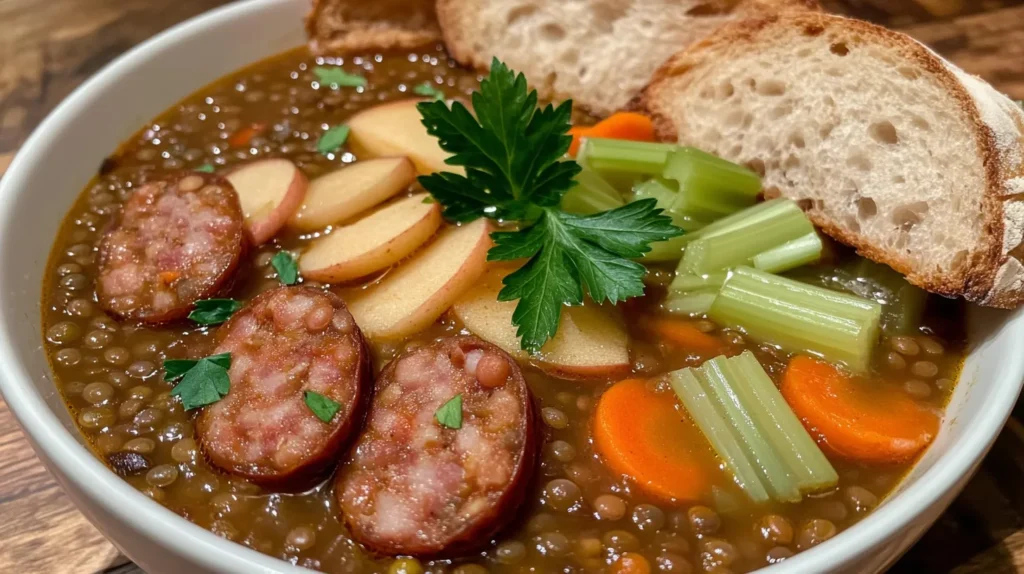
<point>65,151</point>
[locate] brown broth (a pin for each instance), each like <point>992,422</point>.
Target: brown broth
<point>111,378</point>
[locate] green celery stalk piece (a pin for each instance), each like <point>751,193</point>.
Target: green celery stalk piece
<point>710,187</point>
<point>656,189</point>
<point>671,250</point>
<point>790,255</point>
<point>718,432</point>
<point>693,303</point>
<point>799,317</point>
<point>665,251</point>
<point>903,303</point>
<point>666,197</point>
<point>741,244</point>
<point>689,282</point>
<point>750,217</point>
<point>590,195</point>
<point>617,158</point>
<point>784,431</point>
<point>595,183</point>
<point>720,381</point>
<point>903,315</point>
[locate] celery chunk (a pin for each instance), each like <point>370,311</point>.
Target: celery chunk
<point>591,194</point>
<point>750,233</point>
<point>709,187</point>
<point>721,382</point>
<point>799,317</point>
<point>786,433</point>
<point>684,282</point>
<point>624,157</point>
<point>745,418</point>
<point>696,303</point>
<point>718,432</point>
<point>790,255</point>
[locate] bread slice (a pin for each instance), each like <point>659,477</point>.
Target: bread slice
<point>597,52</point>
<point>352,25</point>
<point>890,148</point>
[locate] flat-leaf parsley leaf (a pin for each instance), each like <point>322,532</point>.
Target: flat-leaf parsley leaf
<point>450,413</point>
<point>513,155</point>
<point>323,407</point>
<point>206,382</point>
<point>175,369</point>
<point>287,270</point>
<point>336,77</point>
<point>214,311</point>
<point>332,139</point>
<point>429,90</point>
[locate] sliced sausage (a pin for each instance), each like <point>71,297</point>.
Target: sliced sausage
<point>178,240</point>
<point>285,342</point>
<point>415,487</point>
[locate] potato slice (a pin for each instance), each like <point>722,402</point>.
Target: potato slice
<point>591,341</point>
<point>395,128</point>
<point>270,190</point>
<point>351,190</point>
<point>414,294</point>
<point>372,243</point>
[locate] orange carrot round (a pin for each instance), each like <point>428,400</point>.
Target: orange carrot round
<point>618,126</point>
<point>683,335</point>
<point>643,434</point>
<point>857,419</point>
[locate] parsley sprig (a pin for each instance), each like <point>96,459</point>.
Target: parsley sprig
<point>513,155</point>
<point>199,382</point>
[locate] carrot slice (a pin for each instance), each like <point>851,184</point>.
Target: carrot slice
<point>244,136</point>
<point>682,334</point>
<point>644,435</point>
<point>857,419</point>
<point>618,126</point>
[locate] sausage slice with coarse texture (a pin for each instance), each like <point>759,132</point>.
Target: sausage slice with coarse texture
<point>415,486</point>
<point>178,240</point>
<point>285,342</point>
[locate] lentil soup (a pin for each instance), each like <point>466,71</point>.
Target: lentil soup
<point>571,498</point>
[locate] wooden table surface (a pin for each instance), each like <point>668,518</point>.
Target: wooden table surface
<point>49,47</point>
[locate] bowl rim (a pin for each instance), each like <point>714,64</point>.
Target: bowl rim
<point>154,521</point>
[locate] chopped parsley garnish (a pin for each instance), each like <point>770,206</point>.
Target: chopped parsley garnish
<point>202,382</point>
<point>205,168</point>
<point>429,90</point>
<point>332,139</point>
<point>287,270</point>
<point>323,407</point>
<point>513,156</point>
<point>214,311</point>
<point>338,78</point>
<point>450,413</point>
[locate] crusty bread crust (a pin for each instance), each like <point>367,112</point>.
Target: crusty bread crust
<point>353,25</point>
<point>459,20</point>
<point>992,275</point>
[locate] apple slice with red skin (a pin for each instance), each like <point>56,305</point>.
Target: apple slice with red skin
<point>419,290</point>
<point>342,194</point>
<point>372,243</point>
<point>270,191</point>
<point>591,342</point>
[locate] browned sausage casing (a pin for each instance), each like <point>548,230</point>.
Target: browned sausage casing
<point>178,240</point>
<point>415,487</point>
<point>285,342</point>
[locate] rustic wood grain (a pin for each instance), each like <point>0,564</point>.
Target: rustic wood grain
<point>48,48</point>
<point>41,530</point>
